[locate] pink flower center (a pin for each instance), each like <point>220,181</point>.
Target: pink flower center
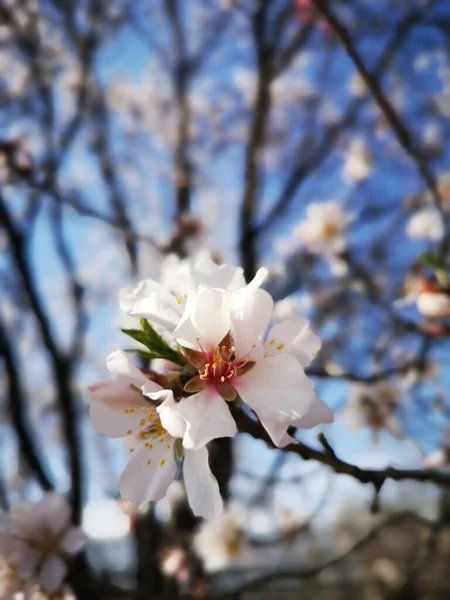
<point>220,366</point>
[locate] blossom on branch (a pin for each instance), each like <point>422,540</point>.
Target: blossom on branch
<point>163,302</point>
<point>324,230</point>
<point>38,540</point>
<point>426,224</point>
<point>119,409</point>
<point>224,338</point>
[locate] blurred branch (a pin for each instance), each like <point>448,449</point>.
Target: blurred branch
<point>16,396</point>
<point>60,364</point>
<point>183,166</point>
<point>402,133</point>
<point>309,572</point>
<point>260,118</point>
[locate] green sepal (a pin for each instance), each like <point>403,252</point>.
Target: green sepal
<point>157,346</point>
<point>179,449</point>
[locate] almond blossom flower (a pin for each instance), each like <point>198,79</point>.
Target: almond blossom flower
<point>374,406</point>
<point>430,298</point>
<point>426,224</point>
<point>323,231</point>
<point>162,303</point>
<point>220,541</point>
<point>41,540</point>
<point>358,163</point>
<point>222,335</point>
<point>119,409</point>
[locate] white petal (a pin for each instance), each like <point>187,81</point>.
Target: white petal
<point>250,317</point>
<point>55,512</point>
<point>277,389</point>
<point>25,559</point>
<point>206,320</point>
<point>171,419</point>
<point>143,481</point>
<point>201,485</point>
<point>226,277</point>
<point>161,308</point>
<point>277,431</point>
<point>318,413</point>
<point>52,573</point>
<point>259,278</point>
<point>207,417</point>
<point>118,362</point>
<point>116,409</point>
<point>294,337</point>
<point>73,541</point>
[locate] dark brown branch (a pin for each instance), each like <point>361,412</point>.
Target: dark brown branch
<point>376,477</point>
<point>60,364</point>
<point>260,117</point>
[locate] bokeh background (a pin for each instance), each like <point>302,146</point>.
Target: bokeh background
<point>131,130</point>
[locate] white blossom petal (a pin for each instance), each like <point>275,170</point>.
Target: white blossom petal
<point>116,409</point>
<point>52,573</point>
<point>171,419</point>
<point>201,485</point>
<point>160,306</point>
<point>318,413</point>
<point>226,277</point>
<point>206,320</point>
<point>207,417</point>
<point>119,363</point>
<point>149,472</point>
<point>295,337</point>
<point>277,389</point>
<point>250,318</point>
<point>73,541</point>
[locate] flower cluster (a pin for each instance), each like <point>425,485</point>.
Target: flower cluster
<point>36,542</point>
<point>217,335</point>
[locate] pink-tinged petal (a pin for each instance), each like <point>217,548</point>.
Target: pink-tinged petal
<point>171,419</point>
<point>207,417</point>
<point>150,471</point>
<point>251,314</point>
<point>73,541</point>
<point>277,389</point>
<point>435,460</point>
<point>294,337</point>
<point>52,573</point>
<point>24,558</point>
<point>55,513</point>
<point>118,362</point>
<point>116,409</point>
<point>206,319</point>
<point>24,523</point>
<point>201,485</point>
